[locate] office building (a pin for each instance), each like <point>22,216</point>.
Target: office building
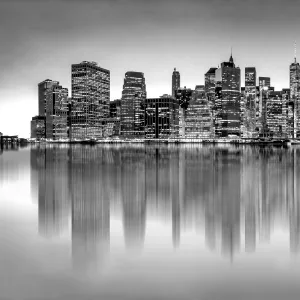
<point>183,96</point>
<point>295,94</point>
<point>90,100</point>
<point>198,116</point>
<point>249,103</point>
<point>227,102</point>
<point>264,90</point>
<point>112,127</point>
<point>42,89</point>
<point>161,117</point>
<point>38,124</point>
<point>175,81</point>
<point>209,79</point>
<point>132,104</point>
<point>57,113</point>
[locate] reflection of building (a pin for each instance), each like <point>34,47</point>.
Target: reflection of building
<point>90,100</point>
<point>227,101</point>
<point>90,208</point>
<point>161,117</point>
<point>175,81</point>
<point>38,130</point>
<point>57,113</point>
<point>198,117</point>
<point>132,104</point>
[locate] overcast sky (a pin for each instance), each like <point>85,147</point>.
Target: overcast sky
<point>40,39</point>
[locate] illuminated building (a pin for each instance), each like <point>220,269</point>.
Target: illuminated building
<point>57,113</point>
<point>209,78</point>
<point>132,104</point>
<point>38,130</point>
<point>161,117</point>
<point>175,81</point>
<point>183,96</point>
<point>198,117</point>
<point>227,101</point>
<point>276,114</point>
<point>264,90</point>
<point>42,89</point>
<point>295,94</point>
<point>90,100</point>
<point>249,103</point>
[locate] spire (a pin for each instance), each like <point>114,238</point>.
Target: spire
<point>295,57</point>
<point>231,59</point>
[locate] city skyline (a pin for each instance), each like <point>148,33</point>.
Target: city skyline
<point>40,46</point>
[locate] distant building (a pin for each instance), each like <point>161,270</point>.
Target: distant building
<point>57,113</point>
<point>227,101</point>
<point>183,96</point>
<point>42,89</point>
<point>249,103</point>
<point>90,100</point>
<point>175,81</point>
<point>198,116</point>
<point>276,117</point>
<point>295,95</point>
<point>38,127</point>
<point>161,117</point>
<point>132,104</point>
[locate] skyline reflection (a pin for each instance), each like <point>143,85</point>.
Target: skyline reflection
<point>235,195</point>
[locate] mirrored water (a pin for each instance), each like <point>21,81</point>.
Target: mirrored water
<point>149,222</point>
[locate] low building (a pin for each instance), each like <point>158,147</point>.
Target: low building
<point>38,127</point>
<point>161,117</point>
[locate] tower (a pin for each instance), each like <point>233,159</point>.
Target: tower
<point>175,81</point>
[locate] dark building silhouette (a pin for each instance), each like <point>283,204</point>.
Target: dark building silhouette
<point>38,127</point>
<point>42,89</point>
<point>90,100</point>
<point>227,101</point>
<point>132,104</point>
<point>175,81</point>
<point>161,117</point>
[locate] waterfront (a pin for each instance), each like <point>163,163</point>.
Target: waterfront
<point>150,222</point>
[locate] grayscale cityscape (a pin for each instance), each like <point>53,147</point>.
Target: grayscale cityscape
<point>149,150</point>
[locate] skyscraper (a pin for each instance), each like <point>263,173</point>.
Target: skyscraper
<point>249,103</point>
<point>132,104</point>
<point>175,81</point>
<point>294,94</point>
<point>227,102</point>
<point>264,84</point>
<point>57,113</point>
<point>90,100</point>
<point>42,89</point>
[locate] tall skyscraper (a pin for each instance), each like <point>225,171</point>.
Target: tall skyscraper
<point>264,84</point>
<point>132,104</point>
<point>175,81</point>
<point>57,113</point>
<point>90,100</point>
<point>198,122</point>
<point>227,102</point>
<point>42,89</point>
<point>249,103</point>
<point>295,94</point>
<point>209,78</point>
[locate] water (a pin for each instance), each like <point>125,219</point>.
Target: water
<point>135,222</point>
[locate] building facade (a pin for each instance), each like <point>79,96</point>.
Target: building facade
<point>227,100</point>
<point>42,89</point>
<point>295,95</point>
<point>57,113</point>
<point>38,127</point>
<point>90,100</point>
<point>175,81</point>
<point>132,104</point>
<point>161,117</point>
<point>198,116</point>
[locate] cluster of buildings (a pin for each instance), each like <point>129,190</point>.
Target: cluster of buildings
<point>220,108</point>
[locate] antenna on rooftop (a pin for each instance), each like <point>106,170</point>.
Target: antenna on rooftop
<point>295,45</point>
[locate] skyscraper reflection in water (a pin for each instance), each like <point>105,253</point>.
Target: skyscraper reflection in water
<point>235,195</point>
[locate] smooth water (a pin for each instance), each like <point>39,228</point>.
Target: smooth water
<point>149,222</point>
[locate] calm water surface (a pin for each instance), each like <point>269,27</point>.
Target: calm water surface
<point>135,222</point>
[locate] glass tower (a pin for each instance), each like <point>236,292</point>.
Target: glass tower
<point>42,89</point>
<point>227,100</point>
<point>175,81</point>
<point>132,104</point>
<point>90,100</point>
<point>294,95</point>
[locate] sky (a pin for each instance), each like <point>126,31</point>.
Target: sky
<point>40,39</point>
